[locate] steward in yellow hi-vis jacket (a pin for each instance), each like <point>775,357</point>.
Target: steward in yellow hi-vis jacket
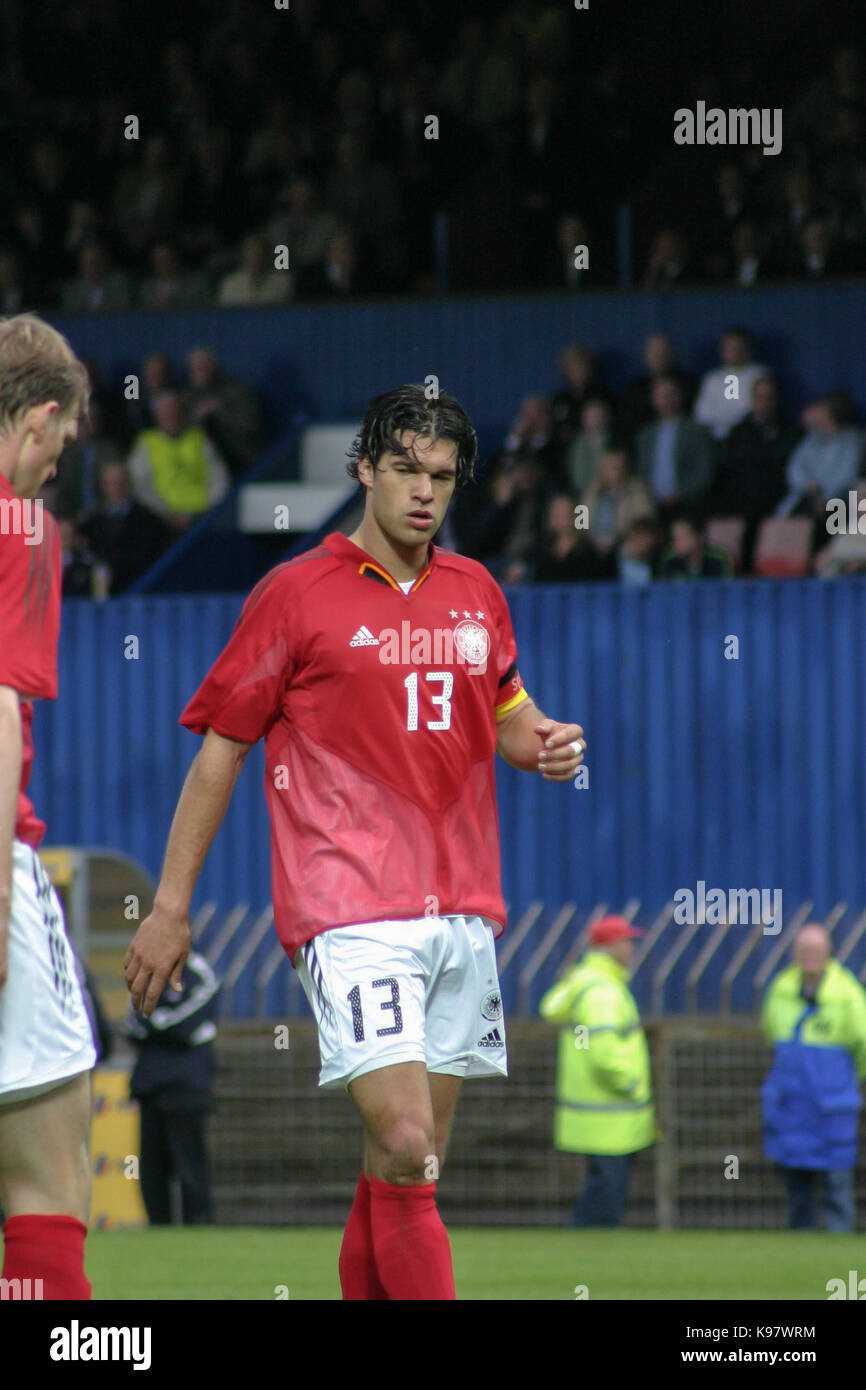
<point>604,1105</point>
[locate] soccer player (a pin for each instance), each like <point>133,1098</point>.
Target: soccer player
<point>46,1040</point>
<point>382,672</point>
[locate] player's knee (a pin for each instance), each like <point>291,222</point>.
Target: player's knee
<point>403,1151</point>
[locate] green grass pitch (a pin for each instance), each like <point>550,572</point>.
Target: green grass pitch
<point>504,1263</point>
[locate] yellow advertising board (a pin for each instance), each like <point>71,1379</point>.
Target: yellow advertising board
<point>114,1150</point>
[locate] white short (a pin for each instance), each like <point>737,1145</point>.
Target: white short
<point>46,1035</point>
<point>423,990</point>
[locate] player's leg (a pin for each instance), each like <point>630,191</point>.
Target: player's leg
<point>47,1055</point>
<point>410,1243</point>
<point>840,1212</point>
<point>45,1187</point>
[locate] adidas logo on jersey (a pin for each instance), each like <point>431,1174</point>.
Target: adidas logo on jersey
<point>364,638</point>
<point>493,1039</point>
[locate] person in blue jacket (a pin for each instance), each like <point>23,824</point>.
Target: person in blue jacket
<point>814,1016</point>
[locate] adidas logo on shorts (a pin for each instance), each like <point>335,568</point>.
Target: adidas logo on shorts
<point>364,638</point>
<point>493,1039</point>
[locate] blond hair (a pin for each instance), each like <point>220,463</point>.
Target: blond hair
<point>37,365</point>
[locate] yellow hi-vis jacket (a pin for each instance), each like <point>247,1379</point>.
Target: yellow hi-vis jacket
<point>179,469</point>
<point>603,1082</point>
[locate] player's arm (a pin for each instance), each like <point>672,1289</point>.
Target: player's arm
<point>529,741</point>
<point>10,780</point>
<point>161,945</point>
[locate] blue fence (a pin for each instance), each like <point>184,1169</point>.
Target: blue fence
<point>739,772</point>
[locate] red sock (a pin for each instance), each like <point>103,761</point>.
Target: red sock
<point>358,1277</point>
<point>50,1248</point>
<point>413,1256</point>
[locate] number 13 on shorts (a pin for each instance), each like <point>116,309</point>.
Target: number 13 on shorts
<point>391,1003</point>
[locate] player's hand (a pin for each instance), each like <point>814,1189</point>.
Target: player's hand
<point>156,954</point>
<point>558,759</point>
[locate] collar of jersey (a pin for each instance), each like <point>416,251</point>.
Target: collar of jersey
<point>341,545</point>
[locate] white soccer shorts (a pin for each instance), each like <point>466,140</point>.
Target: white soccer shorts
<point>419,990</point>
<point>46,1035</point>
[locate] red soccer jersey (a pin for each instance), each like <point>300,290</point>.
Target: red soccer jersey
<point>29,625</point>
<point>379,739</point>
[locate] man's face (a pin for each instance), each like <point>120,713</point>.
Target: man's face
<point>666,399</point>
<point>169,416</point>
<point>764,402</point>
<point>421,481</point>
<point>202,369</point>
<point>734,350</point>
<point>622,950</point>
<point>658,354</point>
<point>44,435</point>
<point>811,951</point>
<point>685,540</point>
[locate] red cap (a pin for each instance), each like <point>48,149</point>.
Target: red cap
<point>609,929</point>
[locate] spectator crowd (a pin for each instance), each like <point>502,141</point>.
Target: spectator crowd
<point>256,155</point>
<point>142,470</point>
<point>677,478</point>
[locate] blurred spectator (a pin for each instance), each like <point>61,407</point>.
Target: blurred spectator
<point>169,286</point>
<point>584,454</point>
<point>579,371</point>
<point>668,263</point>
<point>572,235</point>
<point>226,409</point>
<point>539,154</point>
<point>146,196</point>
<point>155,376</point>
<point>814,1018</point>
<point>38,259</point>
<point>660,359</point>
<point>174,468</point>
<point>674,456</point>
<point>14,297</point>
<point>846,552</point>
<point>690,556</point>
<point>725,393</point>
<point>751,478</point>
<point>302,225</point>
<point>76,488</point>
<point>257,281</point>
<point>801,204</point>
<point>340,275</point>
<point>521,491</point>
<point>211,215</point>
<point>364,196</point>
<point>750,261</point>
<point>78,565</point>
<point>636,554</point>
<point>98,288</point>
<point>83,224</point>
<point>120,532</point>
<point>532,433</point>
<point>566,554</point>
<point>615,500</point>
<point>828,461</point>
<point>820,254</point>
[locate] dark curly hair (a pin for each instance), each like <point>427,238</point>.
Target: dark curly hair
<point>408,408</point>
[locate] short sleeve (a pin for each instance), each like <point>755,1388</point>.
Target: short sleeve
<point>241,695</point>
<point>510,691</point>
